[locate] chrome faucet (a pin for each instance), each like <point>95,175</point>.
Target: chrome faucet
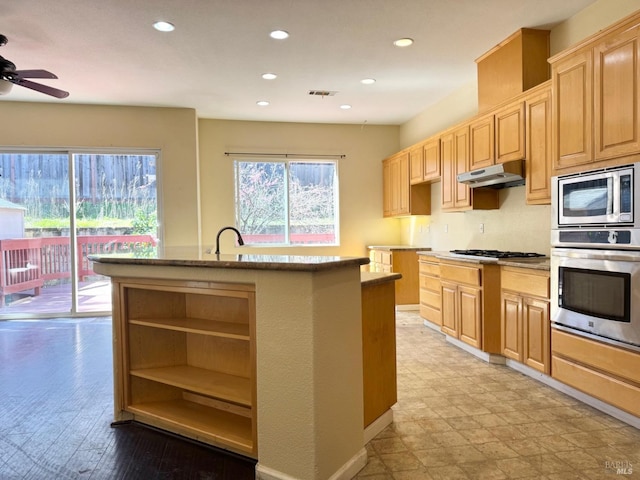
<point>240,241</point>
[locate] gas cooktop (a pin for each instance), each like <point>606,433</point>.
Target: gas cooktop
<point>494,254</point>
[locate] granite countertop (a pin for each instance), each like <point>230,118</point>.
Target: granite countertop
<point>397,247</point>
<point>192,257</point>
<point>536,263</point>
<point>374,278</point>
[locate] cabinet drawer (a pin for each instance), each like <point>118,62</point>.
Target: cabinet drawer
<point>430,283</point>
<point>430,298</point>
<point>525,282</point>
<point>432,269</point>
<point>461,274</point>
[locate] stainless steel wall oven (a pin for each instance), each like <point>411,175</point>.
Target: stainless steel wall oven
<point>595,259</point>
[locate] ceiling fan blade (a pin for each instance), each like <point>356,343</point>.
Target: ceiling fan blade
<point>47,90</point>
<point>33,74</point>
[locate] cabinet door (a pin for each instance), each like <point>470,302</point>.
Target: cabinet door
<point>448,172</point>
<point>538,157</point>
<point>386,188</point>
<point>462,193</point>
<point>470,315</point>
<point>511,320</point>
<point>616,103</point>
<point>536,332</point>
<point>481,137</point>
<point>431,159</point>
<point>572,110</point>
<point>510,144</point>
<point>449,308</point>
<point>404,206</point>
<point>416,165</point>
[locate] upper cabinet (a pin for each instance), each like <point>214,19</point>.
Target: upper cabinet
<point>512,67</point>
<point>431,159</point>
<point>482,148</point>
<point>455,159</point>
<point>510,132</point>
<point>538,149</point>
<point>596,107</point>
<point>399,197</point>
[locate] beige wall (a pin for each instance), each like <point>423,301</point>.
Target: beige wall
<point>170,130</point>
<point>515,226</point>
<point>360,176</point>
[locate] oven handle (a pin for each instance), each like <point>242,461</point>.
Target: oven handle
<point>612,255</point>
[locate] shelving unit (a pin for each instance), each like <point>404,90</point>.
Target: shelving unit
<point>186,359</point>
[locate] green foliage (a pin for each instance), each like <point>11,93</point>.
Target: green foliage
<point>145,222</point>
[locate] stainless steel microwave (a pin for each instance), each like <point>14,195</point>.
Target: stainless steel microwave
<point>599,198</point>
<point>597,209</point>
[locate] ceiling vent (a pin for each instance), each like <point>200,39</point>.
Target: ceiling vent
<point>322,93</point>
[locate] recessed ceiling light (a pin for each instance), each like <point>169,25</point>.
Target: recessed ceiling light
<point>368,81</point>
<point>345,107</point>
<point>403,42</point>
<point>262,103</point>
<point>164,26</point>
<point>269,76</point>
<point>279,34</point>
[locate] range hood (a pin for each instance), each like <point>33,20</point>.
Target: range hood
<point>502,175</point>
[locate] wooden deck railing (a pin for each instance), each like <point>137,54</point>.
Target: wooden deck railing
<point>26,263</point>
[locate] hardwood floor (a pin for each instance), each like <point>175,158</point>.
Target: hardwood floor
<point>56,408</point>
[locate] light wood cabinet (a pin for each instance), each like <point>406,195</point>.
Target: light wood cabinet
<point>399,196</point>
<point>471,304</point>
<point>431,159</point>
<point>525,321</point>
<point>482,136</point>
<point>455,196</point>
<point>538,146</point>
<point>185,359</point>
<point>403,261</point>
<point>596,108</point>
<point>430,295</point>
<point>606,372</point>
<point>416,165</point>
<point>510,132</point>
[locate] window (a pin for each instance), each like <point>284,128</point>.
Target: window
<point>287,202</point>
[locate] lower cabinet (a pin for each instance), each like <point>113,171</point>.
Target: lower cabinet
<point>185,359</point>
<point>430,296</point>
<point>398,260</point>
<point>470,306</point>
<point>525,321</point>
<point>606,372</point>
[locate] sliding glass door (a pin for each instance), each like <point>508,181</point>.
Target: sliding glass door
<point>56,209</point>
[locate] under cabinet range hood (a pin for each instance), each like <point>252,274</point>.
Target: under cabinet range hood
<point>501,175</point>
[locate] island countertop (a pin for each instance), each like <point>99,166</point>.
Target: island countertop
<point>193,257</point>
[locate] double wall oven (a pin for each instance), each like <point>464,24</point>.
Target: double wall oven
<point>595,257</point>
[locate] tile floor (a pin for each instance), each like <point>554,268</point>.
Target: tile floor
<point>458,417</point>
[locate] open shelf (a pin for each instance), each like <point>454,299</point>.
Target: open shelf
<point>239,331</point>
<point>218,385</point>
<point>199,422</point>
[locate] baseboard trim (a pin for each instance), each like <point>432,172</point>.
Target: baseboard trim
<point>574,393</point>
<point>349,470</point>
<point>378,425</point>
<point>487,357</point>
<point>432,326</point>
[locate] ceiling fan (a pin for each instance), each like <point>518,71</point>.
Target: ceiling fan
<point>9,75</point>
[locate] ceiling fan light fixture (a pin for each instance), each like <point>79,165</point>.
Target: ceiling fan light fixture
<point>403,42</point>
<point>5,87</point>
<point>163,26</point>
<point>279,34</point>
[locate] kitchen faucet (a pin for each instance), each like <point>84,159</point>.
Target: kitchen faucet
<point>240,241</point>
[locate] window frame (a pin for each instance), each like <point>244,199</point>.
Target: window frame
<point>286,161</point>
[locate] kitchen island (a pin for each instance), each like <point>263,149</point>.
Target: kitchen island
<point>261,355</point>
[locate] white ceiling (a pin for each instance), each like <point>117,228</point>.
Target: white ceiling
<point>106,52</point>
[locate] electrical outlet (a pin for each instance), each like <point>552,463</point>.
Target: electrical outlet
<point>482,228</point>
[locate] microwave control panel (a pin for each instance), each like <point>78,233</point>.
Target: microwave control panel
<point>606,237</point>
